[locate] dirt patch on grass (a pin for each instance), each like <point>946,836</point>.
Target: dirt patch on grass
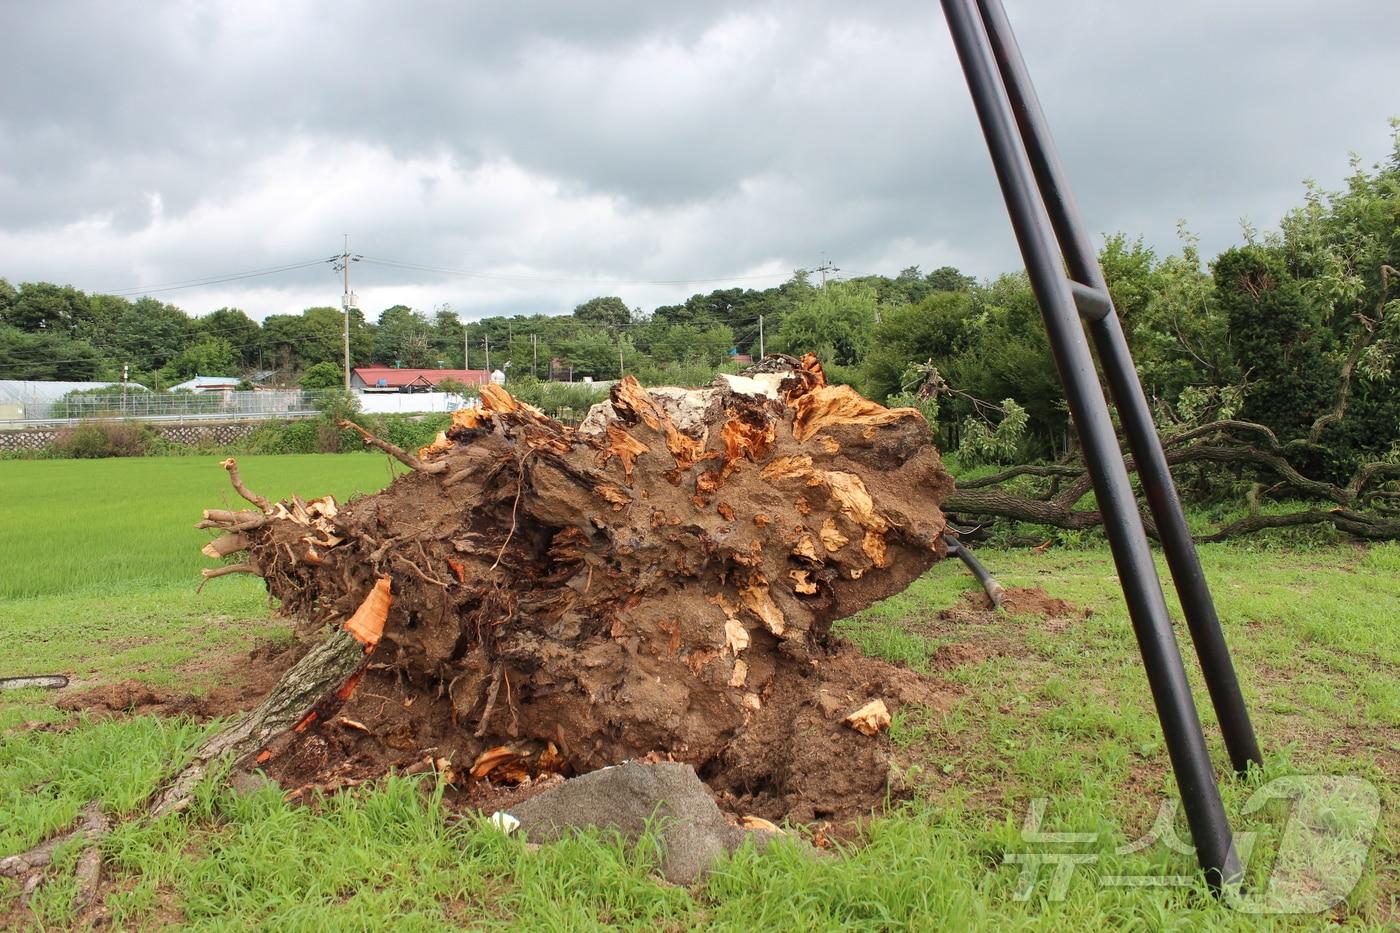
<point>239,682</point>
<point>975,607</point>
<point>798,759</point>
<point>980,632</point>
<point>957,654</point>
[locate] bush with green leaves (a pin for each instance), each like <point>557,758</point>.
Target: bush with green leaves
<point>320,376</point>
<point>96,439</point>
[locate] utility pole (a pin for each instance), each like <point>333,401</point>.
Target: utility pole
<point>535,346</point>
<point>620,370</point>
<point>824,268</point>
<point>760,337</point>
<point>487,343</point>
<point>466,347</point>
<point>348,300</point>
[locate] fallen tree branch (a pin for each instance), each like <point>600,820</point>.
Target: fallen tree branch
<point>310,691</point>
<point>398,453</point>
<point>226,544</point>
<point>1208,444</point>
<point>245,520</point>
<point>1353,523</point>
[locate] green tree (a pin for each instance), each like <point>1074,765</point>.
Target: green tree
<point>320,376</point>
<point>148,333</point>
<point>833,322</point>
<point>688,343</point>
<point>610,313</point>
<point>1008,356</point>
<point>593,353</point>
<point>209,356</point>
<point>949,279</point>
<point>45,355</point>
<point>45,306</point>
<point>8,293</point>
<point>1278,338</point>
<point>293,342</point>
<point>233,325</point>
<point>404,338</point>
<point>936,329</point>
<point>446,336</point>
<point>1179,334</point>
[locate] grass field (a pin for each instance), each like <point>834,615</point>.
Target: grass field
<point>99,561</point>
<point>84,526</point>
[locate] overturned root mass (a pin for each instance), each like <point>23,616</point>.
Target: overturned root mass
<point>660,581</point>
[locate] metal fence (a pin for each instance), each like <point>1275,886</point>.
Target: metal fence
<point>168,406</point>
<point>18,411</point>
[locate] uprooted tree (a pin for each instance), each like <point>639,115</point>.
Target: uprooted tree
<point>539,598</point>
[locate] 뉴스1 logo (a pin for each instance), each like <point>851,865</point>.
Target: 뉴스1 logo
<point>1321,851</point>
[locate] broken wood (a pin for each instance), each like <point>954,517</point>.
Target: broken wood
<point>398,453</point>
<point>312,691</point>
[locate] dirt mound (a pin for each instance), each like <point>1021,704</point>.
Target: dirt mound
<point>976,606</point>
<point>541,600</point>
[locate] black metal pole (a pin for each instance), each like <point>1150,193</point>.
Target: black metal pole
<point>994,590</point>
<point>1127,538</point>
<point>1133,412</point>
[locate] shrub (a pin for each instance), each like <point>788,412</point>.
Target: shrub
<point>95,439</point>
<point>282,437</point>
<point>410,432</point>
<point>322,376</point>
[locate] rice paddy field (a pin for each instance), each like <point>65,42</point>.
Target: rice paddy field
<point>1042,799</point>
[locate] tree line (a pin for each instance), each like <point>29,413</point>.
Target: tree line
<point>1294,330</point>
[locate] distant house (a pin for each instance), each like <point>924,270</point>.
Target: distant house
<point>374,379</point>
<point>203,384</point>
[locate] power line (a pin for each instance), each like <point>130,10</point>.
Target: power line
<point>213,280</point>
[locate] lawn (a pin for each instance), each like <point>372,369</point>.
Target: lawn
<point>99,564</point>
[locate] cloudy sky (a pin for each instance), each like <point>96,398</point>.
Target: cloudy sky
<point>555,151</point>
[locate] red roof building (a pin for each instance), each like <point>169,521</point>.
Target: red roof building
<point>389,379</point>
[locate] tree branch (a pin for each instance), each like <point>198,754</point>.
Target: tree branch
<point>233,477</point>
<point>398,453</point>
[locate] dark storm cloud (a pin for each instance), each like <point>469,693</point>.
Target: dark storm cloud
<point>637,141</point>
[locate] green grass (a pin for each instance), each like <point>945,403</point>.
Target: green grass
<point>75,526</point>
<point>99,568</point>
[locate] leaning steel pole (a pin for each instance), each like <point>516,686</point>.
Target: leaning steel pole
<point>1112,347</point>
<point>1060,302</point>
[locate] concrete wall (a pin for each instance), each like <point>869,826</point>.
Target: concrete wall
<point>408,403</point>
<point>192,434</point>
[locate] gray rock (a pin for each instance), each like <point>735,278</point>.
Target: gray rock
<point>692,831</point>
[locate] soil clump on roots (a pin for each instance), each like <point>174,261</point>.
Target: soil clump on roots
<point>533,599</point>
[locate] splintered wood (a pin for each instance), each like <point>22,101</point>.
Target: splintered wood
<point>661,580</point>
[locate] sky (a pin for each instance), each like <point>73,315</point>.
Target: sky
<point>528,156</point>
